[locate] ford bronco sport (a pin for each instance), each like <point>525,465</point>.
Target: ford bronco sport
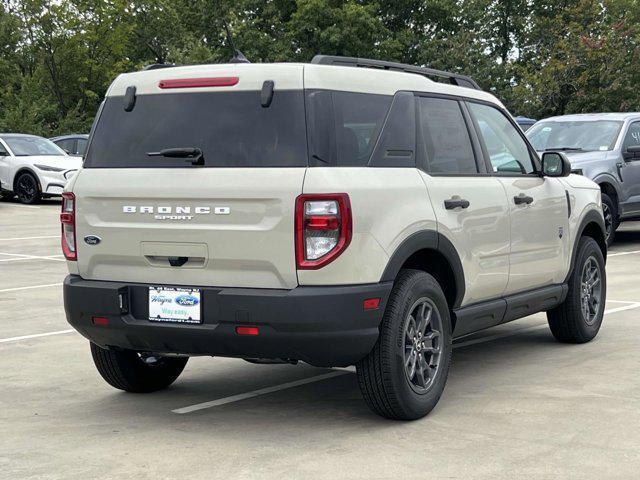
<point>342,212</point>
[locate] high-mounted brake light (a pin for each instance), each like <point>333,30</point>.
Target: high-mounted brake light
<point>323,228</point>
<point>198,82</point>
<point>68,221</point>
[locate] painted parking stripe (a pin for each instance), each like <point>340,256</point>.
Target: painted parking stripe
<point>18,258</point>
<point>19,206</point>
<point>28,238</point>
<point>622,253</point>
<point>339,372</point>
<point>32,287</point>
<point>37,335</point>
<point>257,393</point>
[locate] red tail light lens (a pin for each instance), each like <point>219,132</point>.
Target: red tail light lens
<point>68,221</point>
<point>323,228</point>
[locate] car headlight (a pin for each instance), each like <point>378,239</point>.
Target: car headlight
<point>69,174</point>
<point>46,168</point>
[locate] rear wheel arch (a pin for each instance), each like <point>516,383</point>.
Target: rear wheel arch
<point>433,253</point>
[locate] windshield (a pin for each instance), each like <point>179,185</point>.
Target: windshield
<point>231,129</point>
<point>27,146</point>
<point>579,135</point>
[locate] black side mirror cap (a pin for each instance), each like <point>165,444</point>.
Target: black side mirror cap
<point>631,152</point>
<point>555,164</point>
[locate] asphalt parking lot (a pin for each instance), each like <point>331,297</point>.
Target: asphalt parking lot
<point>517,404</point>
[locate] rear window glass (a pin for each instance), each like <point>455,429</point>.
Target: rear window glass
<point>231,130</point>
<point>344,126</point>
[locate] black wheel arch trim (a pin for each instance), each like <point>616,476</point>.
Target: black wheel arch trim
<point>427,240</point>
<point>592,216</point>
<point>609,179</point>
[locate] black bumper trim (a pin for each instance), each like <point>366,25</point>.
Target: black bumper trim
<point>323,326</point>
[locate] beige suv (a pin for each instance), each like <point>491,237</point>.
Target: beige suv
<point>342,212</point>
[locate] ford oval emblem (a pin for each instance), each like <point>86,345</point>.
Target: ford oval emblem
<point>186,300</point>
<point>92,240</point>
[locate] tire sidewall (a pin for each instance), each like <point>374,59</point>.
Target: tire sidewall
<point>38,194</point>
<point>417,404</point>
<point>588,248</point>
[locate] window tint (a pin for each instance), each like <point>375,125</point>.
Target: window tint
<point>67,144</point>
<point>344,126</point>
<point>82,146</point>
<point>633,136</point>
<point>507,149</point>
<point>231,128</point>
<point>445,137</point>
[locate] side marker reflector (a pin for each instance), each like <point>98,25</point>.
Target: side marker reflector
<point>371,304</point>
<point>100,321</point>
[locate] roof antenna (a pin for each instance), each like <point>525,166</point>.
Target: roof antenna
<point>238,56</point>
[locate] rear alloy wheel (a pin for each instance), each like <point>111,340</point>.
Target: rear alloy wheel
<point>137,372</point>
<point>27,189</point>
<point>404,375</point>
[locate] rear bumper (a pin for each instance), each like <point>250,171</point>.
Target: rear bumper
<point>323,326</point>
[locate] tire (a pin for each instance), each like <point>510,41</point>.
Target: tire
<point>27,189</point>
<point>126,370</point>
<point>611,220</point>
<point>568,322</point>
<point>384,382</point>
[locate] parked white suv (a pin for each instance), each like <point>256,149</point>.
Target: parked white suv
<point>33,167</point>
<point>320,213</point>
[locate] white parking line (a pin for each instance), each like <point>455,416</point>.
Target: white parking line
<point>338,372</point>
<point>17,289</point>
<point>622,253</point>
<point>21,257</point>
<point>256,393</point>
<point>37,335</point>
<point>18,205</point>
<point>27,238</point>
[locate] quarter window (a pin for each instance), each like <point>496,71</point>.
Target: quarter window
<point>82,146</point>
<point>507,149</point>
<point>445,137</point>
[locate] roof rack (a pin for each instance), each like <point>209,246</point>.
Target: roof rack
<point>453,78</point>
<point>156,66</point>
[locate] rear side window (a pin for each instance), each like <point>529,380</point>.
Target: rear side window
<point>82,146</point>
<point>67,145</point>
<point>445,137</point>
<point>344,126</point>
<point>507,149</point>
<point>232,129</point>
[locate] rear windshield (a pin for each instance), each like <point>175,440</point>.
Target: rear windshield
<point>231,130</point>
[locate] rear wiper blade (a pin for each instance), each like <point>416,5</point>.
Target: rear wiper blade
<point>565,149</point>
<point>193,154</point>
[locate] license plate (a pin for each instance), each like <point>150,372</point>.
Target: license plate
<point>179,305</point>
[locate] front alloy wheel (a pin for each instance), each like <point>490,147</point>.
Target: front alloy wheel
<point>27,189</point>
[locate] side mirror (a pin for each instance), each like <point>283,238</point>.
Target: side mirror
<point>555,164</point>
<point>632,152</point>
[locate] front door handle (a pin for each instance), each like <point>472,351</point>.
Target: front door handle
<point>522,199</point>
<point>456,203</point>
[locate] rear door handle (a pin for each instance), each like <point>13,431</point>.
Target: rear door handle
<point>522,199</point>
<point>456,203</point>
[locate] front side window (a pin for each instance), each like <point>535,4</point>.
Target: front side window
<point>632,138</point>
<point>344,126</point>
<point>578,135</point>
<point>28,146</point>
<point>66,144</point>
<point>507,150</point>
<point>445,137</point>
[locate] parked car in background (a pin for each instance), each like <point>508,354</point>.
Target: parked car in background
<point>525,123</point>
<point>74,145</point>
<point>604,147</point>
<point>33,167</point>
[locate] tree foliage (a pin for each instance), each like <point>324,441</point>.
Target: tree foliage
<point>540,57</point>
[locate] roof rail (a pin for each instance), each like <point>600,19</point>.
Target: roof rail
<point>156,66</point>
<point>453,78</point>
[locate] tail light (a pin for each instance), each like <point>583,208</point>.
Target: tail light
<point>323,228</point>
<point>68,221</point>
